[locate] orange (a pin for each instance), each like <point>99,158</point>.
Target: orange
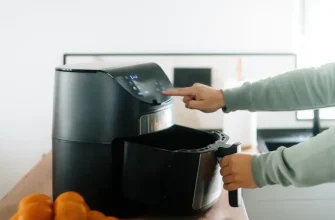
<point>110,218</point>
<point>95,215</point>
<point>70,196</point>
<point>15,217</point>
<point>69,210</point>
<point>35,198</point>
<point>34,211</point>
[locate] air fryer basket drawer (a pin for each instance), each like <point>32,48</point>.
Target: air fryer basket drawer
<point>158,175</point>
<point>157,178</point>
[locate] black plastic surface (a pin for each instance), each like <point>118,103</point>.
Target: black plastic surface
<point>145,83</point>
<point>175,138</point>
<point>273,146</point>
<point>163,179</point>
<point>166,183</point>
<point>85,168</point>
<point>272,139</point>
<point>95,108</point>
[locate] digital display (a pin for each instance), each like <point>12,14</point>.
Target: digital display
<point>145,82</point>
<point>142,86</point>
<point>133,77</point>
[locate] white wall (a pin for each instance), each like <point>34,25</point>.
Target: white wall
<point>34,35</point>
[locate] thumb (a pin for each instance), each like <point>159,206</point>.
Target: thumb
<point>193,104</point>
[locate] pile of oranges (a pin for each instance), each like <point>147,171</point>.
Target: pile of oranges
<point>68,206</point>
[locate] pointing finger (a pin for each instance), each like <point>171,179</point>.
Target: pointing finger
<point>187,91</point>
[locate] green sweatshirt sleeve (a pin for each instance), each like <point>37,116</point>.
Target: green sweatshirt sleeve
<point>295,90</point>
<point>306,164</point>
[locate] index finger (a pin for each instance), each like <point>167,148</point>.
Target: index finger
<point>187,91</point>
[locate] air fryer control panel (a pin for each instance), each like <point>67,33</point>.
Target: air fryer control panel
<point>145,85</point>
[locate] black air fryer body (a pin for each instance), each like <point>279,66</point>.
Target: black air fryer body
<point>115,142</point>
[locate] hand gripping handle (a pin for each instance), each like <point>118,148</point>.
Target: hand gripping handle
<point>235,196</point>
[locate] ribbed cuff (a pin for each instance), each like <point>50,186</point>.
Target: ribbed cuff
<point>258,171</point>
<point>237,98</point>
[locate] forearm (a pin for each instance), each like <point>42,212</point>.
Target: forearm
<point>295,90</point>
<point>306,164</point>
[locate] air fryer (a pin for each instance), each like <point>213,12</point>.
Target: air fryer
<point>115,142</point>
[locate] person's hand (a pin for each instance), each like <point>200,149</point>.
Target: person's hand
<point>200,97</point>
<point>236,171</point>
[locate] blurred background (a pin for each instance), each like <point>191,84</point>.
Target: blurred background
<point>36,34</point>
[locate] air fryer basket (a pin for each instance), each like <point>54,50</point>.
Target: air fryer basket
<point>178,138</point>
<point>173,171</point>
